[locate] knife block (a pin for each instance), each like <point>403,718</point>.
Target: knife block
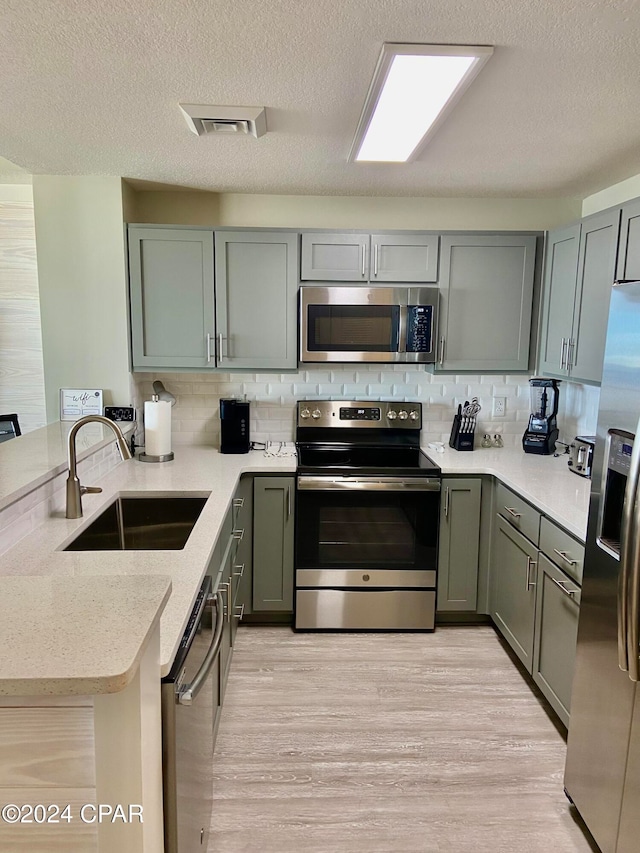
<point>458,439</point>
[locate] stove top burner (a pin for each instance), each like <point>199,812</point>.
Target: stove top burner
<point>366,460</point>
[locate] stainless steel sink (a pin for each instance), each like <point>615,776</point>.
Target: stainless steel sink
<point>146,523</point>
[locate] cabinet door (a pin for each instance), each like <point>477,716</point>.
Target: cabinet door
<point>629,247</point>
<point>557,612</point>
<point>256,288</point>
<point>171,289</point>
<point>459,544</point>
<point>404,257</point>
<point>335,257</point>
<point>486,286</point>
<point>513,585</point>
<point>273,509</point>
<point>596,272</point>
<point>561,270</point>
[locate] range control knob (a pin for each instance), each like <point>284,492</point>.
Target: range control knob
<point>414,415</point>
<point>315,414</point>
<point>403,415</point>
<point>392,415</point>
<point>305,413</point>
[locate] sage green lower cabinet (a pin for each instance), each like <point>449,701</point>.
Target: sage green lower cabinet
<point>243,566</point>
<point>459,547</point>
<point>273,516</point>
<point>513,589</point>
<point>557,612</point>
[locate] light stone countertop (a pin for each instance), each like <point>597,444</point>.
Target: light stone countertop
<point>75,636</point>
<point>544,481</point>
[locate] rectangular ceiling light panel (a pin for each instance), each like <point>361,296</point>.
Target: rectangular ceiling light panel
<point>414,88</point>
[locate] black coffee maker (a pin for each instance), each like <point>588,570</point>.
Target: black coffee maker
<point>541,434</point>
<point>234,426</point>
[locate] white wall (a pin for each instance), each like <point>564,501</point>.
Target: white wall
<point>21,368</point>
<point>283,211</point>
<point>616,194</point>
<point>83,293</point>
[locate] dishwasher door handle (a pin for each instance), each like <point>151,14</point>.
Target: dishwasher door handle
<point>189,692</point>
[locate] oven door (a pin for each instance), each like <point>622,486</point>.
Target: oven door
<point>378,524</point>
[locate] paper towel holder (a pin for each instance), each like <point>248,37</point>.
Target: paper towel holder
<point>164,457</point>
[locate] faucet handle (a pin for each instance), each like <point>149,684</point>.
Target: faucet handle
<point>90,490</point>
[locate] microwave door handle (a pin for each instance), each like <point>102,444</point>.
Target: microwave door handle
<point>630,559</point>
<point>402,329</point>
<point>189,692</point>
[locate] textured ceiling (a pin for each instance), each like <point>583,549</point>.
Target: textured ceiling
<point>89,87</point>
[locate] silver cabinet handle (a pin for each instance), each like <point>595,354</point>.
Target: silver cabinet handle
<point>240,572</point>
<point>560,585</point>
<point>225,589</point>
<point>446,502</point>
<point>629,577</point>
<point>563,352</point>
<point>512,512</point>
<point>288,502</point>
<point>238,534</point>
<point>441,357</point>
<point>189,692</point>
<point>563,555</point>
<point>208,348</point>
<point>220,356</point>
<point>238,502</point>
<point>238,616</point>
<point>375,259</point>
<point>364,255</point>
<point>530,564</point>
<point>571,347</point>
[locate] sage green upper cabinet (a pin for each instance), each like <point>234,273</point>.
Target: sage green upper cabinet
<point>335,257</point>
<point>561,269</point>
<point>486,295</point>
<point>459,544</point>
<point>171,287</point>
<point>579,273</point>
<point>256,291</point>
<point>404,257</point>
<point>370,258</point>
<point>596,273</point>
<point>629,250</point>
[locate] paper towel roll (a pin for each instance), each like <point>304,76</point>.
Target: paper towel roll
<point>157,427</point>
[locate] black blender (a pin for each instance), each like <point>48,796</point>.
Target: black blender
<point>541,434</point>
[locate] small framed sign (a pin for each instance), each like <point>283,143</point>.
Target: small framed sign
<point>75,403</point>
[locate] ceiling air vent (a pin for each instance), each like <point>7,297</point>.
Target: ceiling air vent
<point>205,120</point>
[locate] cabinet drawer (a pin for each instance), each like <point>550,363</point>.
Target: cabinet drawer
<point>565,551</point>
<point>518,512</point>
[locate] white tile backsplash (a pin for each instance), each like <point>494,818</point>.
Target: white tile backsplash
<point>196,419</point>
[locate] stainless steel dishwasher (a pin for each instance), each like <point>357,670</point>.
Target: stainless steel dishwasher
<point>190,705</point>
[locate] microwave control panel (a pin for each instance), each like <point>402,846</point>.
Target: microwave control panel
<point>419,328</point>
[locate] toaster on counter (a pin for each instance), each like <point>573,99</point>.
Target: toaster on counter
<point>581,454</point>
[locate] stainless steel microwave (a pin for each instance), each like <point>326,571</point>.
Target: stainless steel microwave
<point>374,324</point>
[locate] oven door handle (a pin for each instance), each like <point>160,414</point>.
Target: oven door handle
<point>189,692</point>
<point>366,484</point>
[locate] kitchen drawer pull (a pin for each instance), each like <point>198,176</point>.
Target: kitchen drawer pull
<point>226,590</point>
<point>240,572</point>
<point>512,512</point>
<point>446,502</point>
<point>238,534</point>
<point>530,564</point>
<point>560,585</point>
<point>567,559</point>
<point>238,503</point>
<point>239,615</point>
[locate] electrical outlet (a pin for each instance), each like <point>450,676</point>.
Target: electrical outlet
<point>499,407</point>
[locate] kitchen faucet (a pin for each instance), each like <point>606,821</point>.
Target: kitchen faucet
<point>74,489</point>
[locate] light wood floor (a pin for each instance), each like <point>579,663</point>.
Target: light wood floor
<point>386,743</point>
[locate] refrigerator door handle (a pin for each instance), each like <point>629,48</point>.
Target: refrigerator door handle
<point>629,582</point>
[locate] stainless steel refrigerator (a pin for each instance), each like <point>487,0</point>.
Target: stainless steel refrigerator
<point>602,775</point>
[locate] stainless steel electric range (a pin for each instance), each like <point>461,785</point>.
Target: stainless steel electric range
<point>367,510</point>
